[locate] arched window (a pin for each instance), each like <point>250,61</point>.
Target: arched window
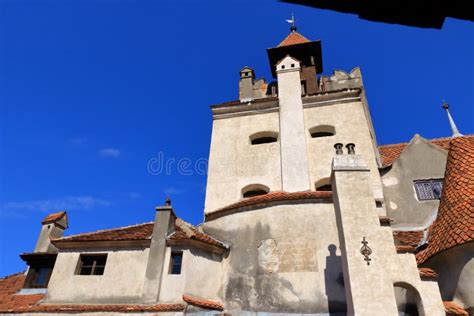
<point>263,138</point>
<point>408,299</point>
<point>323,185</point>
<point>254,190</point>
<point>322,131</point>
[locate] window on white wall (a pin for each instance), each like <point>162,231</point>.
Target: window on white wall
<point>91,264</point>
<point>322,131</point>
<point>428,189</point>
<point>254,190</point>
<point>176,261</point>
<point>263,138</point>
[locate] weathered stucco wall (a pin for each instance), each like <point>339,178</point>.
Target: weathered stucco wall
<point>419,160</point>
<point>234,163</point>
<point>455,268</point>
<point>284,258</point>
<point>201,276</point>
<point>121,282</point>
<point>351,126</point>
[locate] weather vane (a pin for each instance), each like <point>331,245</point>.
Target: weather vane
<point>292,22</point>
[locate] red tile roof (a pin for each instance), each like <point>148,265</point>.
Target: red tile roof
<point>405,249</point>
<point>452,309</point>
<point>51,218</point>
<point>427,273</point>
<point>293,38</point>
<point>14,304</point>
<point>186,231</point>
<point>408,238</point>
<point>390,153</point>
<point>275,196</point>
<point>455,222</point>
<point>203,302</point>
<point>134,232</point>
<point>8,301</point>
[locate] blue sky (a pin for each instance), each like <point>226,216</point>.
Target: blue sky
<point>90,91</point>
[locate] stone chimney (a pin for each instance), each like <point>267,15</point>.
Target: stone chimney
<point>246,82</point>
<point>53,227</point>
<point>164,225</point>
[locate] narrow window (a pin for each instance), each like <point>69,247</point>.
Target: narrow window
<point>38,277</point>
<point>254,190</point>
<point>176,262</point>
<point>92,264</point>
<point>322,131</point>
<point>303,87</point>
<point>263,138</point>
<point>428,189</point>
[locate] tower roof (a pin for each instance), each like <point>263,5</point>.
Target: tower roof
<point>293,38</point>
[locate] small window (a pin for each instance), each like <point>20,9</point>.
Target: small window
<point>254,190</point>
<point>282,66</point>
<point>38,277</point>
<point>292,65</point>
<point>176,262</point>
<point>92,264</point>
<point>263,138</point>
<point>322,131</point>
<point>303,87</point>
<point>428,189</point>
<point>323,185</point>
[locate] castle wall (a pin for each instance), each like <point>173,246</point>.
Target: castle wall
<point>285,258</point>
<point>121,282</point>
<point>351,126</point>
<point>419,160</point>
<point>201,276</point>
<point>235,163</point>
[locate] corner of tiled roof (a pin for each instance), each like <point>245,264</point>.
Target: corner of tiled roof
<point>53,217</point>
<point>453,309</point>
<point>454,225</point>
<point>185,230</point>
<point>427,273</point>
<point>293,38</point>
<point>204,303</point>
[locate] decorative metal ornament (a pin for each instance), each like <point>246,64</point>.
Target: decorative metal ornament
<point>366,251</point>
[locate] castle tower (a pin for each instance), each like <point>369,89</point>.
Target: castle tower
<point>280,136</point>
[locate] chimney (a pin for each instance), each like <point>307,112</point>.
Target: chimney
<point>247,77</point>
<point>53,227</point>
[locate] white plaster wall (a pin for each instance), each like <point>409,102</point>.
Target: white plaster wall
<point>235,163</point>
<point>121,282</point>
<point>290,277</point>
<point>351,126</point>
<point>201,276</point>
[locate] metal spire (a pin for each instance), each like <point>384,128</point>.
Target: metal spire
<point>454,128</point>
<point>292,22</point>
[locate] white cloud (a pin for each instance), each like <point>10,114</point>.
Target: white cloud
<point>173,191</point>
<point>84,202</point>
<point>109,153</point>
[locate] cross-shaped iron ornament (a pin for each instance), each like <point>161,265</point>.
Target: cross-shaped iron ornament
<point>365,250</point>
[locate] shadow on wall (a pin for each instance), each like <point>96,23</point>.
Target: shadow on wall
<point>334,281</point>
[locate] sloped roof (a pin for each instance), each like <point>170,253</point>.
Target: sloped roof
<point>209,304</point>
<point>51,218</point>
<point>293,38</point>
<point>133,232</point>
<point>408,238</point>
<point>452,309</point>
<point>185,231</point>
<point>272,197</point>
<point>389,153</point>
<point>455,222</point>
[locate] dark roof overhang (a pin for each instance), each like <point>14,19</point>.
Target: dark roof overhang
<point>302,52</point>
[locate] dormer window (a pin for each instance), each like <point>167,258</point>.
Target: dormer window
<point>254,190</point>
<point>263,138</point>
<point>322,131</point>
<point>428,189</point>
<point>41,267</point>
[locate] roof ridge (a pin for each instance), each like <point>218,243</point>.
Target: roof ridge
<point>292,34</point>
<point>102,231</point>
